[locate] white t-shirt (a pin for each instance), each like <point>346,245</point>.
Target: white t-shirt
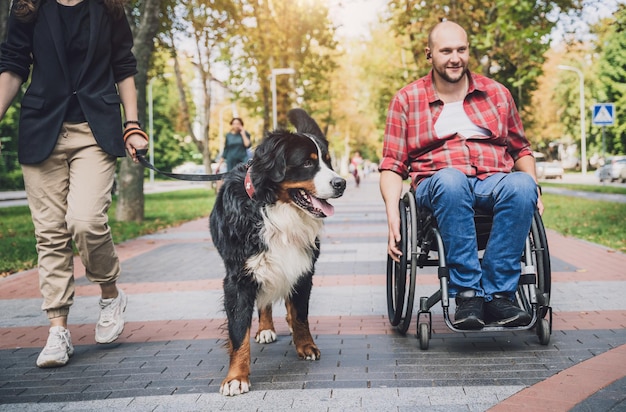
<point>453,119</point>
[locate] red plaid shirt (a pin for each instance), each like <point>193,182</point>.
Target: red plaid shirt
<point>412,147</point>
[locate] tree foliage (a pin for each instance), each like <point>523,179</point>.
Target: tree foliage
<point>204,25</point>
<point>611,76</point>
<point>276,34</point>
<point>172,145</point>
<point>556,105</point>
<point>364,84</point>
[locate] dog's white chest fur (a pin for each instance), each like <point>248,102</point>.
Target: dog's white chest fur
<point>289,235</point>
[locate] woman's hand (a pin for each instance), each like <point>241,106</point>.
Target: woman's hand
<point>135,142</point>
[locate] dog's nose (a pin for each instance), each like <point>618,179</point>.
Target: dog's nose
<point>339,184</point>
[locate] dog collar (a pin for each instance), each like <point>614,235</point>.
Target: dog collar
<point>247,182</point>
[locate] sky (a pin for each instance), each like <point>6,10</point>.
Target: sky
<point>355,16</point>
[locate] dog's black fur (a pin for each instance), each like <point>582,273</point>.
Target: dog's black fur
<point>269,240</point>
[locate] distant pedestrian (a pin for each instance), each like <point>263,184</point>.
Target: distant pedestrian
<point>356,164</point>
<point>236,145</point>
<point>70,135</point>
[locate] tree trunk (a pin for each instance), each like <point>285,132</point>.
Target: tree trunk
<point>130,205</point>
<point>5,7</point>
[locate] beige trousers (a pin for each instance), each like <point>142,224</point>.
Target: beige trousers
<point>69,194</point>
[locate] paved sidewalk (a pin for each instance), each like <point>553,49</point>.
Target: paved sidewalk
<point>171,356</point>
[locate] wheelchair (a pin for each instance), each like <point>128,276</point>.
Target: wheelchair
<point>422,246</point>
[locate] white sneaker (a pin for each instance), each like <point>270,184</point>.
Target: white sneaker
<point>58,348</point>
<point>111,322</point>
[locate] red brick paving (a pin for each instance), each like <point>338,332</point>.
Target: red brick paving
<point>567,388</point>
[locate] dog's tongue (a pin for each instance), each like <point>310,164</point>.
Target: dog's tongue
<point>323,205</point>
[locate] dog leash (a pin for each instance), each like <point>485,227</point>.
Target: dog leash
<point>180,176</point>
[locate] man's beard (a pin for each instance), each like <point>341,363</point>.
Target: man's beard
<point>444,75</point>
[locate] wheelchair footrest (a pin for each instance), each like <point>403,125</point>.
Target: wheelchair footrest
<point>492,327</point>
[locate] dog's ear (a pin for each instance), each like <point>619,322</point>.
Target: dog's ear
<point>269,158</point>
<point>304,123</point>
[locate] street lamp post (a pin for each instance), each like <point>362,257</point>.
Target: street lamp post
<point>151,128</point>
<point>583,137</point>
<point>276,72</point>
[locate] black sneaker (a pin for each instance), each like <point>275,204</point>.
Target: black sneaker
<point>505,312</point>
<point>469,313</point>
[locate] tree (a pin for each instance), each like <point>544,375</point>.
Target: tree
<point>277,34</point>
<point>362,87</point>
<point>555,114</point>
<point>208,24</point>
<point>145,23</point>
<point>611,75</point>
<point>5,7</point>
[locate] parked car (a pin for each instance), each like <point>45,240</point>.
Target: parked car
<point>613,170</point>
<point>549,170</point>
<point>189,168</point>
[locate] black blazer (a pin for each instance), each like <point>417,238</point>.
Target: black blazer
<point>40,44</point>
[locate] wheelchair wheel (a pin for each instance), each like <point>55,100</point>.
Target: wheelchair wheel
<point>540,258</point>
<point>400,288</point>
<point>543,331</point>
<point>411,236</point>
<point>396,274</point>
<point>423,334</point>
<point>542,255</point>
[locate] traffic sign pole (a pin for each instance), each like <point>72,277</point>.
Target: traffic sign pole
<point>603,143</point>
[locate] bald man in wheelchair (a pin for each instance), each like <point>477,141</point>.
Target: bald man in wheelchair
<point>459,138</point>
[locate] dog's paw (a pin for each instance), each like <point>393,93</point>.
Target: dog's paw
<point>265,336</point>
<point>309,352</point>
<point>234,387</point>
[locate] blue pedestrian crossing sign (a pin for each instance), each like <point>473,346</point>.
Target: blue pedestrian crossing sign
<point>603,114</point>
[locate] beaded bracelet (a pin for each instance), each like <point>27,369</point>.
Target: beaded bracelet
<point>135,130</point>
<point>127,122</point>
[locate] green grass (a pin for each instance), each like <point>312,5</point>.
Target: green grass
<point>161,210</point>
<point>596,221</point>
<point>17,241</point>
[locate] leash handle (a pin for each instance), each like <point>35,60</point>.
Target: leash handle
<point>141,156</point>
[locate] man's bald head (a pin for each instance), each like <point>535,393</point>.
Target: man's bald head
<point>443,28</point>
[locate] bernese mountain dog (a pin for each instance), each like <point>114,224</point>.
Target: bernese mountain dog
<point>265,225</point>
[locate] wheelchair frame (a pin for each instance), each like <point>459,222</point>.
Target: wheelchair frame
<point>420,236</point>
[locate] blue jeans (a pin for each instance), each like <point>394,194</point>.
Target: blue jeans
<point>452,197</point>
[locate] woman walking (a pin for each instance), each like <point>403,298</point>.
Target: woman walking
<point>70,136</point>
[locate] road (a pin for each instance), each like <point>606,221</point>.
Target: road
<point>18,197</point>
<point>589,179</point>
